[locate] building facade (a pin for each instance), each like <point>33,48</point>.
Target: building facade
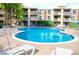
<point>61,15</point>
<point>31,15</point>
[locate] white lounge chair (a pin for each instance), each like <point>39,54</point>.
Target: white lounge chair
<point>62,51</point>
<point>19,50</point>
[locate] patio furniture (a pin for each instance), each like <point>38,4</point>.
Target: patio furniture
<point>19,50</point>
<point>13,25</point>
<point>62,51</point>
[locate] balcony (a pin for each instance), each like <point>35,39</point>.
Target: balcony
<point>33,18</point>
<point>56,19</point>
<point>67,13</point>
<point>2,12</point>
<point>67,19</point>
<point>67,10</point>
<point>2,18</point>
<point>57,16</point>
<point>57,13</point>
<point>34,12</point>
<point>57,10</point>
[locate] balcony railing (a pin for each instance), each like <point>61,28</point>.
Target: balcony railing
<point>67,20</point>
<point>57,13</point>
<point>56,19</point>
<point>34,12</point>
<point>31,13</point>
<point>67,10</point>
<point>2,12</point>
<point>69,13</point>
<point>33,18</point>
<point>2,18</point>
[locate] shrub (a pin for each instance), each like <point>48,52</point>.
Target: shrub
<point>74,25</point>
<point>45,23</point>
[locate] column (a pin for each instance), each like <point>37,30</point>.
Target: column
<point>29,16</point>
<point>61,20</point>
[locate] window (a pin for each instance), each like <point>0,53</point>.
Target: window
<point>49,17</point>
<point>34,9</point>
<point>1,15</point>
<point>57,10</point>
<point>74,12</point>
<point>66,16</point>
<point>67,10</point>
<point>57,16</point>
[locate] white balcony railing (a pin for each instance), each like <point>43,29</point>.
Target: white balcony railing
<point>55,19</point>
<point>67,20</point>
<point>57,13</point>
<point>33,18</point>
<point>68,13</point>
<point>34,12</point>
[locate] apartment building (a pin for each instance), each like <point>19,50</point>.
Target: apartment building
<point>63,15</point>
<point>31,15</point>
<point>60,15</point>
<point>75,15</point>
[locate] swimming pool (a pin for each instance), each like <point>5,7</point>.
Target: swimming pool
<point>43,35</point>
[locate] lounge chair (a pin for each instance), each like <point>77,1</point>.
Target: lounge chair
<point>19,50</point>
<point>62,51</point>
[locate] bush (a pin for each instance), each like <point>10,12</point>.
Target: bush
<point>45,23</point>
<point>74,25</point>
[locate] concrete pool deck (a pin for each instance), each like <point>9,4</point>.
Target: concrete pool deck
<point>43,49</point>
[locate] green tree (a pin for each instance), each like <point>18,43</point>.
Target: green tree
<point>13,10</point>
<point>51,23</point>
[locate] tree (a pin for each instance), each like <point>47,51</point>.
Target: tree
<point>13,10</point>
<point>45,23</point>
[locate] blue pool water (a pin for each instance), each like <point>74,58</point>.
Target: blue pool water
<point>43,35</point>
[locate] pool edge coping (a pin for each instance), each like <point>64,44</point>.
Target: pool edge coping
<point>13,36</point>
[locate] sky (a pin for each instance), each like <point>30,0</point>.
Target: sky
<point>45,4</point>
<point>49,4</point>
<point>52,5</point>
